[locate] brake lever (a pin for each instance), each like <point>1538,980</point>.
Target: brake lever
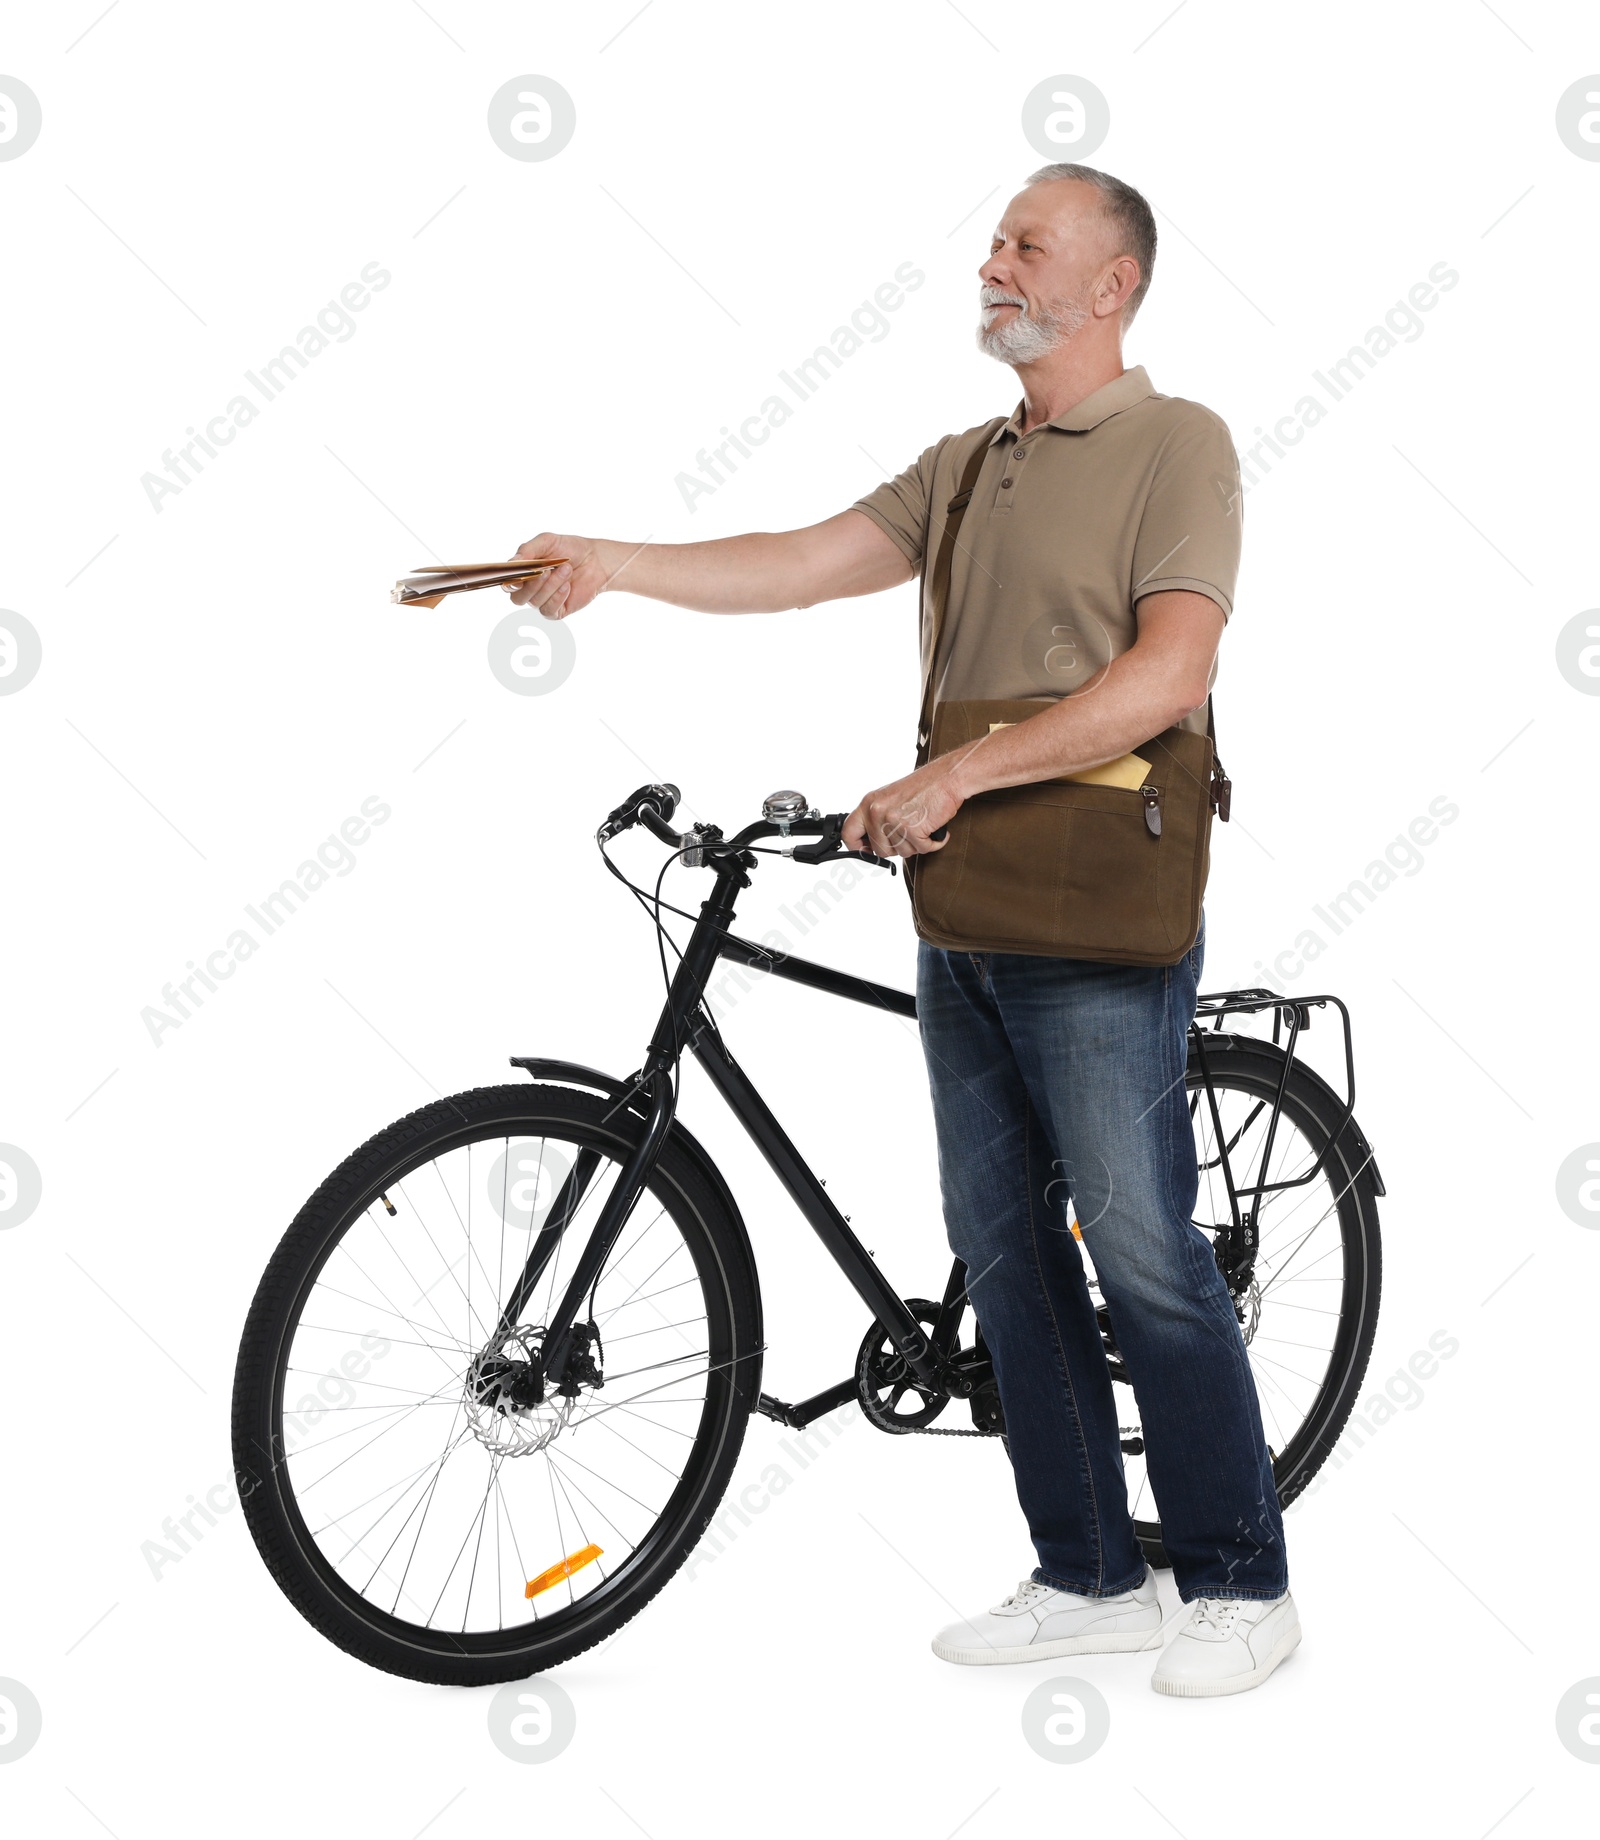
<point>829,846</point>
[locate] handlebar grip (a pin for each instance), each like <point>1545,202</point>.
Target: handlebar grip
<point>940,834</point>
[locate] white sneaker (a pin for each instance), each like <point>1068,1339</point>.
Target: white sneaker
<point>1228,1645</point>
<point>1036,1623</point>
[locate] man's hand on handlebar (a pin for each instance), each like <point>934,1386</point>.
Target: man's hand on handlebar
<point>898,820</point>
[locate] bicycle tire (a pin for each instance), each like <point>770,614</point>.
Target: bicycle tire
<point>687,1187</point>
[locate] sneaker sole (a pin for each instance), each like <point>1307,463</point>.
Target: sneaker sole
<point>1231,1683</point>
<point>1133,1641</point>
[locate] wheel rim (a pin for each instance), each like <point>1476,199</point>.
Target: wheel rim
<point>419,1489</point>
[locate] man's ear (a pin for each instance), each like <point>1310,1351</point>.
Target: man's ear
<point>1116,287</point>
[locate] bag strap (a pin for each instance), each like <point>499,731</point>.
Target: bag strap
<point>939,577</point>
<point>938,594</point>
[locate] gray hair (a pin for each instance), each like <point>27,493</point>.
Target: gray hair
<point>1129,214</point>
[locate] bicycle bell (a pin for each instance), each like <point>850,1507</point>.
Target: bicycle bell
<point>784,809</point>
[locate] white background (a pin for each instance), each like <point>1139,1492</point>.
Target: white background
<point>226,682</point>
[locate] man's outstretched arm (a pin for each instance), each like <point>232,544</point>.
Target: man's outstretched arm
<point>762,572</point>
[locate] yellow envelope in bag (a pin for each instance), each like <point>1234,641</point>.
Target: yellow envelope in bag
<point>1131,771</point>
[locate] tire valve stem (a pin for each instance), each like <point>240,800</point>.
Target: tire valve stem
<point>388,1204</point>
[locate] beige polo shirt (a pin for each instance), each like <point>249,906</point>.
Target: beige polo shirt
<point>1127,494</point>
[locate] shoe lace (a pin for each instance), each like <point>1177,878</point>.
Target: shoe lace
<point>1027,1593</point>
<point>1219,1612</point>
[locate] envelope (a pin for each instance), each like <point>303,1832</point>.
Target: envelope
<point>1131,771</point>
<point>426,587</point>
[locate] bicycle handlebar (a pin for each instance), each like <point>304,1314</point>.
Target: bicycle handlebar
<point>654,805</point>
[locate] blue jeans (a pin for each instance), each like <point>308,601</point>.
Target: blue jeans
<point>1057,1077</point>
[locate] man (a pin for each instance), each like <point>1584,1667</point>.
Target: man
<point>1095,566</point>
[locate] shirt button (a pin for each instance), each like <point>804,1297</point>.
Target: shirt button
<point>1020,454</point>
<point>1005,485</point>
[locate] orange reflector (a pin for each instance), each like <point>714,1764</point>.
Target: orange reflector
<point>574,1562</point>
<point>1077,1232</point>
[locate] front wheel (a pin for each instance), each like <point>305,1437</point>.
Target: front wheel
<point>417,1494</point>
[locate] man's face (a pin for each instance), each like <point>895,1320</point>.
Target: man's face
<point>1049,251</point>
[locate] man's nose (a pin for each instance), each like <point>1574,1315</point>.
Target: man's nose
<point>994,273</point>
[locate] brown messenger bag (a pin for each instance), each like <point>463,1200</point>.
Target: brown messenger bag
<point>1076,867</point>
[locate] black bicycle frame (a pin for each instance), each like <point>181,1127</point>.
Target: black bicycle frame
<point>650,1095</point>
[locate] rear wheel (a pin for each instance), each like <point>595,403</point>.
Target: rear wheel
<point>404,1474</point>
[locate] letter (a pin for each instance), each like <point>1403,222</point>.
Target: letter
<point>814,364</point>
<point>851,343</point>
<point>1443,282</point>
<point>215,426</point>
<point>1423,298</point>
<point>1421,831</point>
<point>704,1554</point>
<point>1323,914</point>
<point>354,1364</point>
<point>175,466</point>
<point>289,895</point>
<point>188,454</point>
<point>1450,812</point>
<point>281,363</point>
<point>342,855</point>
<point>209,983</point>
<point>243,950</point>
<point>156,1555</point>
<point>203,1511</point>
<point>218,971</point>
<point>1380,1409</point>
<point>1288,972</point>
<point>204,443</point>
<point>776,410</point>
<point>155,1020</point>
<point>1423,1365</point>
<point>733,1508</point>
<point>912,281</point>
<point>343,1393</point>
<point>310,877</point>
<point>690,488</point>
<point>775,1478</point>
<point>1310,411</point>
<point>187,985</point>
<point>737,443</point>
<point>310,1410</point>
<point>1246,477</point>
<point>243,411</point>
<point>846,877</point>
<point>1437,1341</point>
<point>316,347</point>
<point>156,488</point>
<point>1409,855</point>
<point>1310,945</point>
<point>173,1001</point>
<point>340,319</point>
<point>1333,390</point>
<point>376,281</point>
<point>1281,429</point>
<point>1358,895</point>
<point>760,1501</point>
<point>722,455</point>
<point>354,296</point>
<point>1270,442</point>
<point>1410,1395</point>
<point>1379,876</point>
<point>877,327</point>
<point>1255,454</point>
<point>354,824</point>
<point>748,427</point>
<point>1407,319</point>
<point>170,1532</point>
<point>1378,342</point>
<point>776,942</point>
<point>225,1490</point>
<point>889,297</point>
<point>381,816</point>
<point>265,391</point>
<point>802,394</point>
<point>708,466</point>
<point>1347,364</point>
<point>376,1345</point>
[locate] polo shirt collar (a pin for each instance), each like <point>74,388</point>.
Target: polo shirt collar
<point>1099,406</point>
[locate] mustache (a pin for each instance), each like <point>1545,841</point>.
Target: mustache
<point>991,298</point>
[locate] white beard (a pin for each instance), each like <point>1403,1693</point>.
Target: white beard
<point>1025,338</point>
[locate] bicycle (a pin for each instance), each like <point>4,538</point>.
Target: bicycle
<point>536,1456</point>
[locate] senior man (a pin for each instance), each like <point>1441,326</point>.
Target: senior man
<point>1095,567</point>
